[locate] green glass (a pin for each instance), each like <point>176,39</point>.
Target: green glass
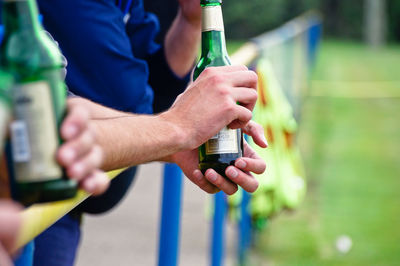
<point>39,100</point>
<point>6,81</point>
<point>214,53</point>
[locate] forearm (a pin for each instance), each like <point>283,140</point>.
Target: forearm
<point>182,43</point>
<point>136,139</point>
<point>96,111</point>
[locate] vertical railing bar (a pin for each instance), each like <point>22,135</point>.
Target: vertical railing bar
<point>218,230</point>
<point>168,252</point>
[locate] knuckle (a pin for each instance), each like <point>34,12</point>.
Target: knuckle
<point>216,79</point>
<point>223,90</point>
<point>229,107</point>
<point>250,127</point>
<point>208,71</point>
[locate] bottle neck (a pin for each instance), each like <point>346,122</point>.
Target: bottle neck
<point>20,15</point>
<point>213,36</point>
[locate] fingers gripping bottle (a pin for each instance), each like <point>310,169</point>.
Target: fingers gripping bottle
<point>38,106</point>
<point>225,147</point>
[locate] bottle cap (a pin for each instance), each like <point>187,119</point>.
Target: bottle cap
<point>210,2</point>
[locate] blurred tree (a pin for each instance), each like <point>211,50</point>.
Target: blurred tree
<point>375,22</point>
<point>246,19</point>
<point>343,18</point>
<point>393,7</point>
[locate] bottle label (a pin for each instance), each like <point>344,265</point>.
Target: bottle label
<point>212,18</point>
<point>34,138</point>
<point>224,142</point>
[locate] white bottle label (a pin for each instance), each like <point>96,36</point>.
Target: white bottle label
<point>20,142</point>
<point>212,18</point>
<point>224,142</point>
<point>34,138</point>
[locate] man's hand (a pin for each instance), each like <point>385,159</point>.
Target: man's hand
<point>10,222</point>
<point>240,174</point>
<point>80,155</point>
<point>210,103</point>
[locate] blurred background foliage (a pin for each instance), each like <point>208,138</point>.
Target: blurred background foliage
<point>344,19</point>
<point>248,18</point>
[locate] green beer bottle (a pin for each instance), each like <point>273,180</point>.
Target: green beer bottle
<point>224,148</point>
<point>38,99</point>
<point>6,82</point>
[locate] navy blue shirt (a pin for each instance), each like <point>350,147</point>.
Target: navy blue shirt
<point>111,53</point>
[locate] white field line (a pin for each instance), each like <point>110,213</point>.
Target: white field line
<point>355,89</point>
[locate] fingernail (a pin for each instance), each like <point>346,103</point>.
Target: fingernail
<point>198,175</point>
<point>241,164</point>
<point>232,173</point>
<point>212,176</point>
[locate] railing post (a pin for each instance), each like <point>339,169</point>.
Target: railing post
<point>218,230</point>
<point>244,229</point>
<point>170,216</point>
<point>25,258</point>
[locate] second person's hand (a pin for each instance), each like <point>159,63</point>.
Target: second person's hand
<point>80,154</point>
<point>238,175</point>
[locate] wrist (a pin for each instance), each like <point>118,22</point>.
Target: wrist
<point>179,136</point>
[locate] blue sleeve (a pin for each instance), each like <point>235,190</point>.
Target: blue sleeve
<point>142,28</point>
<point>101,63</point>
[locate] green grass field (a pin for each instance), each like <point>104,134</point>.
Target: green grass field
<point>350,139</point>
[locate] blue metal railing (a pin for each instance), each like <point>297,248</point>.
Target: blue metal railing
<point>310,26</point>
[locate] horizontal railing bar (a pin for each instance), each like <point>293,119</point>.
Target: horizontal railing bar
<point>39,217</point>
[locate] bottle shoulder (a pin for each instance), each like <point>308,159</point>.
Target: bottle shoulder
<point>24,50</point>
<point>211,61</point>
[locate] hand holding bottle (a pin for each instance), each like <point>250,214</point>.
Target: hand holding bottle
<point>80,155</point>
<point>239,175</point>
<point>210,103</point>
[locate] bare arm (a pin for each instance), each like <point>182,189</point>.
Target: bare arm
<point>129,139</point>
<point>96,111</point>
<point>135,139</point>
<point>201,111</point>
<point>183,38</point>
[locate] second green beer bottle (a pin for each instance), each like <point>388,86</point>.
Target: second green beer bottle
<point>38,99</point>
<point>224,148</point>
